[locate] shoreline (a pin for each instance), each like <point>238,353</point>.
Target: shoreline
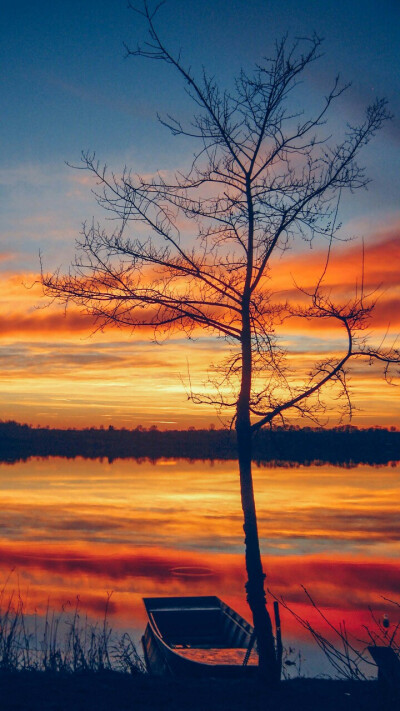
<point>341,446</point>
<point>101,691</point>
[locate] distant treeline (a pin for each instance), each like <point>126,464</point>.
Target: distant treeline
<point>345,445</point>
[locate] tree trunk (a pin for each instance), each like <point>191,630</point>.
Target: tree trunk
<point>255,575</point>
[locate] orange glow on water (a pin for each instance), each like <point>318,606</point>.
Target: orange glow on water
<point>84,528</point>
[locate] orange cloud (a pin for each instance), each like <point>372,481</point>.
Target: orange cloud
<point>26,374</point>
<point>381,269</point>
<point>45,323</point>
<point>381,265</point>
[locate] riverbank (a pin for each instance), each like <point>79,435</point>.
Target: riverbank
<point>44,691</point>
<point>342,446</point>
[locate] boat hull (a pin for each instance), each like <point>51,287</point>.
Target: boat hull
<point>181,626</point>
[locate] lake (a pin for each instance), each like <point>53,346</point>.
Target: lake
<point>80,527</point>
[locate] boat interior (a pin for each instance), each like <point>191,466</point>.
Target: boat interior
<point>199,625</point>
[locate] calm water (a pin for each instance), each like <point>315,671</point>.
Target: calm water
<point>82,527</point>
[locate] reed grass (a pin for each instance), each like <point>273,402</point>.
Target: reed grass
<point>348,655</point>
<point>64,641</point>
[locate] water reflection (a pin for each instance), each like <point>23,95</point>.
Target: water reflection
<point>84,527</point>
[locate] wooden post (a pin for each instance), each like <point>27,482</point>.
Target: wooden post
<point>278,635</point>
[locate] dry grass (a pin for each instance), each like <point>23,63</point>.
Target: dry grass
<point>348,655</point>
<point>64,641</point>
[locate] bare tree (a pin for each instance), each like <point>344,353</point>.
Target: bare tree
<point>262,176</point>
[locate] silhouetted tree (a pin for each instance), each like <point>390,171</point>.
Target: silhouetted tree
<point>200,256</point>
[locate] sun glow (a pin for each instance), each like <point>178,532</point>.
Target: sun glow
<point>56,368</point>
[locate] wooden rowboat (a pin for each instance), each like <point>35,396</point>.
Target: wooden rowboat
<point>197,636</point>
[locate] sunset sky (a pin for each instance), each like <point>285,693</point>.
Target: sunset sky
<point>67,87</point>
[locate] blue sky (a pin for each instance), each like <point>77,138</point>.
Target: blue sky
<point>67,86</point>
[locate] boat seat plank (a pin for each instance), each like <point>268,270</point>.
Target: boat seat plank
<point>184,609</point>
